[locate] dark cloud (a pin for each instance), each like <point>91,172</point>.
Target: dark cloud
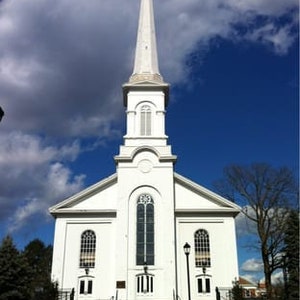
<point>62,62</point>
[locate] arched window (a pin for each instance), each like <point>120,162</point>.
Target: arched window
<point>202,249</point>
<point>145,120</point>
<point>87,249</point>
<point>145,230</point>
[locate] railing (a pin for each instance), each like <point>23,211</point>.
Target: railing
<point>69,294</point>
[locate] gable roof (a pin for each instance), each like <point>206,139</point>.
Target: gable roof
<point>190,197</point>
<point>246,283</point>
<point>215,202</point>
<point>67,205</point>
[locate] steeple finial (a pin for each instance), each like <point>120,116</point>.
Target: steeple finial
<point>146,63</point>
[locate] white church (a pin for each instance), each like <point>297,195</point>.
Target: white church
<point>145,232</point>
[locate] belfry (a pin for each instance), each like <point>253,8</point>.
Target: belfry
<point>124,237</point>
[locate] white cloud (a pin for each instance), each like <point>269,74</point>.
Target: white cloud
<point>277,277</point>
<point>252,265</point>
<point>24,150</point>
<point>265,7</point>
<point>244,226</point>
<point>250,277</point>
<point>32,178</point>
<point>279,38</point>
<point>252,270</point>
<point>183,25</point>
<point>58,184</point>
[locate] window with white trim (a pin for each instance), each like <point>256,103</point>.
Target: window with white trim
<point>85,286</point>
<point>144,283</point>
<point>145,230</point>
<point>87,249</point>
<point>202,248</point>
<point>145,120</point>
<point>203,285</point>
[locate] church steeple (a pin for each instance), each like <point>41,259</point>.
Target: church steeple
<point>146,73</point>
<point>145,96</point>
<point>146,63</point>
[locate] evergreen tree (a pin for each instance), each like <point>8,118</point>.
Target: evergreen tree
<point>39,258</point>
<point>291,263</point>
<point>237,291</point>
<point>14,272</point>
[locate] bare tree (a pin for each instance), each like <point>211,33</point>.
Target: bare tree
<point>266,193</point>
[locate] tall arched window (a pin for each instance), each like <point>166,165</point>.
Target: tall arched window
<point>202,248</point>
<point>145,120</point>
<point>87,249</point>
<point>145,230</point>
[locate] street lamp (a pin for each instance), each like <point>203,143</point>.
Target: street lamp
<point>187,250</point>
<point>1,113</point>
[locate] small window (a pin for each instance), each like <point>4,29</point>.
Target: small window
<point>247,293</point>
<point>145,120</point>
<point>144,284</point>
<point>87,249</point>
<point>86,287</point>
<point>203,285</point>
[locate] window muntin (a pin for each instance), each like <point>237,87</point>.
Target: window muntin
<point>87,249</point>
<point>202,248</point>
<point>145,120</point>
<point>145,230</point>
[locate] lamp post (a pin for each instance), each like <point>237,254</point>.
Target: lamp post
<point>187,250</point>
<point>1,113</point>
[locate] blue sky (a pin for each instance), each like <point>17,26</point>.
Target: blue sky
<point>233,70</point>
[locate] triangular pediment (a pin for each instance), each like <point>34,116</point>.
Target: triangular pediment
<point>191,197</point>
<point>98,198</point>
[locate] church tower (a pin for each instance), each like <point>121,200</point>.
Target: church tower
<point>123,237</point>
<point>146,94</point>
<point>145,172</point>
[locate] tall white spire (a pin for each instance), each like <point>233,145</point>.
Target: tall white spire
<point>146,63</point>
